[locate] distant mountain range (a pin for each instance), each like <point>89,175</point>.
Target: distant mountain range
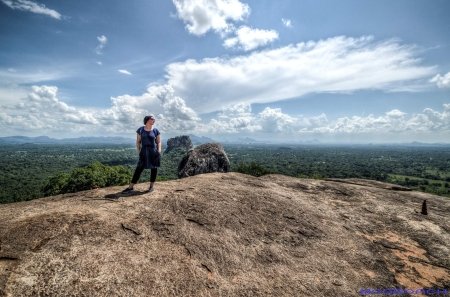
<point>80,140</point>
<point>244,141</point>
<point>196,140</point>
<point>416,143</point>
<point>17,140</point>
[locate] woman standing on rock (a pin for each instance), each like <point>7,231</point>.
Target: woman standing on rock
<point>149,153</point>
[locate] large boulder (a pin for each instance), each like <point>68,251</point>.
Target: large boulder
<point>179,141</point>
<point>205,158</point>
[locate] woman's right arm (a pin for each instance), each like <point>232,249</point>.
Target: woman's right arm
<point>138,143</point>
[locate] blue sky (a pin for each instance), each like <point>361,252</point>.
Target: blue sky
<point>347,71</point>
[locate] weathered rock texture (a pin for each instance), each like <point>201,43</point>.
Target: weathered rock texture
<point>205,158</point>
<point>225,234</point>
<point>178,142</point>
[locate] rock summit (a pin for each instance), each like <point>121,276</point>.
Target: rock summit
<point>226,234</point>
<point>178,142</point>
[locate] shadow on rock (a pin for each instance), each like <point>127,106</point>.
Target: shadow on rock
<point>120,194</point>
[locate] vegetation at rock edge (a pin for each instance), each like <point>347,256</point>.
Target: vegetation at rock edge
<point>30,171</point>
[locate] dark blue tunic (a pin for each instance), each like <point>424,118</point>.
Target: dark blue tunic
<point>149,157</point>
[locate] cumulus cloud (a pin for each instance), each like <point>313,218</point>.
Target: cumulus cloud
<point>442,81</point>
<point>200,16</point>
<point>396,114</point>
<point>436,120</point>
<point>272,121</point>
<point>128,111</point>
<point>42,110</point>
<point>240,109</point>
<point>103,40</point>
<point>249,39</point>
<point>395,122</point>
<point>339,64</point>
<point>232,119</point>
<point>287,22</point>
<point>239,118</point>
<point>174,106</point>
<point>31,6</point>
<point>124,71</point>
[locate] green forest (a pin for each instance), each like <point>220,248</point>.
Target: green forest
<point>29,170</point>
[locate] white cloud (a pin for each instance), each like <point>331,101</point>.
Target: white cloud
<point>103,40</point>
<point>200,16</point>
<point>239,119</point>
<point>42,111</point>
<point>124,72</point>
<point>240,109</point>
<point>20,76</point>
<point>32,7</point>
<point>232,119</point>
<point>442,81</point>
<point>174,106</point>
<point>249,39</point>
<point>438,120</point>
<point>273,120</point>
<point>394,121</point>
<point>339,64</point>
<point>127,111</point>
<point>395,114</point>
<point>313,123</point>
<point>11,93</point>
<point>287,22</point>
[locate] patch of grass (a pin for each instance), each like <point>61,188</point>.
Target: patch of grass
<point>432,186</point>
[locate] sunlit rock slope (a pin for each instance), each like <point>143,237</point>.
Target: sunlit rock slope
<point>226,234</point>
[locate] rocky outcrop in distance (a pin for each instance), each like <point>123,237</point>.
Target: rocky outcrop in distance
<point>205,158</point>
<point>197,140</point>
<point>178,142</point>
<point>226,234</point>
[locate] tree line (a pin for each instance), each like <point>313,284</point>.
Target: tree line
<point>28,171</point>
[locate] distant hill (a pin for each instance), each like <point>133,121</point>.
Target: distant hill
<point>314,141</point>
<point>14,140</point>
<point>196,140</point>
<point>417,143</point>
<point>246,140</point>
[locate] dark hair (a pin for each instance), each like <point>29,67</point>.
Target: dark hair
<point>150,117</point>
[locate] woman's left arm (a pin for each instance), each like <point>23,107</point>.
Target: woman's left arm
<point>158,141</point>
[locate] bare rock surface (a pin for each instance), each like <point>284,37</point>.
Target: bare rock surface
<point>225,234</point>
<point>205,158</point>
<point>179,142</point>
<point>369,183</point>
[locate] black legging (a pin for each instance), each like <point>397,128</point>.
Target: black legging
<point>138,171</point>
